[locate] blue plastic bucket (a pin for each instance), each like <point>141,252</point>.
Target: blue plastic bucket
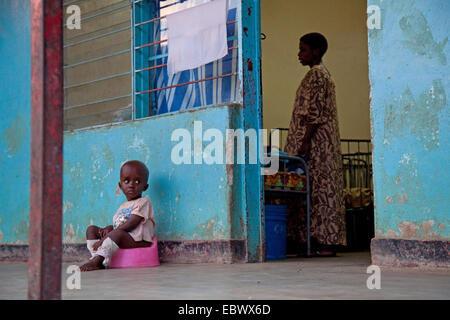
<point>276,218</point>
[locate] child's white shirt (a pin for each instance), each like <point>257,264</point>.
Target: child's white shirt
<point>141,207</point>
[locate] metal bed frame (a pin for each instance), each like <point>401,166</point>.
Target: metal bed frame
<point>357,163</point>
<point>284,191</point>
<point>357,170</point>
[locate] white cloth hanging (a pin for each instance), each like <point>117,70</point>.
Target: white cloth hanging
<point>197,36</point>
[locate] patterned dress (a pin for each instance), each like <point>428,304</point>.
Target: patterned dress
<point>315,104</point>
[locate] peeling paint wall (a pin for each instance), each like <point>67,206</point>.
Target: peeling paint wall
<point>191,201</point>
<point>410,123</point>
<point>15,77</point>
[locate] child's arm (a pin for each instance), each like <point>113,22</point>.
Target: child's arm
<point>128,226</point>
<point>131,223</point>
<point>103,232</point>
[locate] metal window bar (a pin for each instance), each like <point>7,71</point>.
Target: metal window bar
<point>170,4</point>
<point>187,83</point>
<point>165,40</point>
<point>117,75</point>
<point>165,55</point>
<point>98,101</point>
<point>98,31</point>
<point>163,17</point>
<point>152,68</point>
<point>97,37</point>
<point>97,58</point>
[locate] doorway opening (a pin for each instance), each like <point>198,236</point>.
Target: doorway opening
<point>344,26</point>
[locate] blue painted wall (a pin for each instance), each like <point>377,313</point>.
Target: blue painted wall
<point>15,99</point>
<point>191,201</point>
<point>409,75</point>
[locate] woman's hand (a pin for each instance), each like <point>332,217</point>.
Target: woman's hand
<point>305,148</point>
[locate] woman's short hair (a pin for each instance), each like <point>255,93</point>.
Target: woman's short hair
<point>315,40</point>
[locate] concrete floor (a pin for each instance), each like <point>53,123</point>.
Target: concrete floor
<point>342,277</point>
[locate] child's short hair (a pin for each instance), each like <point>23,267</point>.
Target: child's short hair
<point>142,166</point>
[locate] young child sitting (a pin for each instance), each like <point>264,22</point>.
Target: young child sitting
<point>133,223</point>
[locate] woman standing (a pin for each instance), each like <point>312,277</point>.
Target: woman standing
<point>314,132</point>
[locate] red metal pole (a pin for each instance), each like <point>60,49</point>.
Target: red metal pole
<point>45,233</point>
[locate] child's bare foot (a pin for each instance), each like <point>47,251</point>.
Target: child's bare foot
<point>94,264</point>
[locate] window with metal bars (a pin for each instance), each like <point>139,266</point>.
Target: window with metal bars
<point>157,93</point>
<point>115,66</point>
<point>97,64</point>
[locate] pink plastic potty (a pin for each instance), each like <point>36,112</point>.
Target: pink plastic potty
<point>137,257</point>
